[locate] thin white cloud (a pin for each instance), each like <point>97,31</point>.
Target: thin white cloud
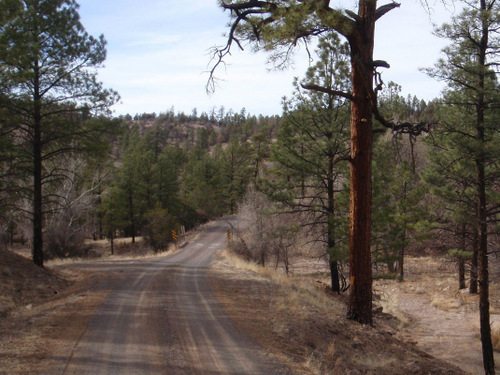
<point>158,52</point>
<point>153,39</point>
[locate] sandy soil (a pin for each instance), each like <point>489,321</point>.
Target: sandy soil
<point>435,315</point>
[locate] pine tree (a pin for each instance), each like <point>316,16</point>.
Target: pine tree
<point>451,177</point>
<point>166,172</point>
<point>48,81</point>
<point>202,178</point>
<point>473,92</point>
<point>134,183</point>
<point>397,196</point>
<point>312,143</point>
<point>397,191</point>
<point>234,162</point>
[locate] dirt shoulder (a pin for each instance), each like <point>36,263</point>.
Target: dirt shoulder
<point>305,327</point>
<point>45,314</point>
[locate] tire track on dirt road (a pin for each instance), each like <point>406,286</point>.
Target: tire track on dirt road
<point>163,318</point>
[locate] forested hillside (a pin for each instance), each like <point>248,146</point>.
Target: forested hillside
<point>171,168</point>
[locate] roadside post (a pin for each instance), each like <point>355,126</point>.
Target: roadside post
<point>228,239</point>
<point>174,237</point>
<point>183,232</point>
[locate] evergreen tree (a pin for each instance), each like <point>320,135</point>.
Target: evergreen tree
<point>451,177</point>
<point>166,173</point>
<point>260,150</point>
<point>398,191</point>
<point>133,184</point>
<point>311,143</point>
<point>99,170</point>
<point>473,92</point>
<point>234,162</point>
<point>114,213</point>
<point>397,196</point>
<point>48,82</point>
<point>202,183</point>
<point>11,172</point>
<point>158,230</point>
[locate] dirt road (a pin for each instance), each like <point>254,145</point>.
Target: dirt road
<point>161,317</point>
<point>435,315</point>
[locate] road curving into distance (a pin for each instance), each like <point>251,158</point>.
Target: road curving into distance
<point>162,317</point>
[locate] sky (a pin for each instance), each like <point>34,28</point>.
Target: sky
<point>158,55</point>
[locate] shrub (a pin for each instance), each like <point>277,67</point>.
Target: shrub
<point>157,232</point>
<point>64,238</point>
<point>265,234</point>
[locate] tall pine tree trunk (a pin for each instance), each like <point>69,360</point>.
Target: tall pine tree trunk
<point>334,271</point>
<point>362,43</point>
<point>484,301</point>
<point>100,229</point>
<point>131,212</point>
<point>360,31</point>
<point>402,250</point>
<point>37,246</point>
<point>461,259</point>
<point>474,263</point>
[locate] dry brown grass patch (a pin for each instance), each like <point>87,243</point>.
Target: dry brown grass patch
<point>304,326</point>
<point>495,335</point>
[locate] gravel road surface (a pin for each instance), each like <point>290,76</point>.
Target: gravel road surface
<point>161,317</point>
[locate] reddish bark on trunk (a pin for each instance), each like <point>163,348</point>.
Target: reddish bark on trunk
<point>361,42</point>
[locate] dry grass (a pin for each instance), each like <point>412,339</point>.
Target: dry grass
<point>442,320</point>
<point>436,278</point>
<point>105,242</point>
<point>389,302</point>
<point>444,292</point>
<point>22,283</point>
<point>300,295</point>
<point>446,301</point>
<point>124,250</point>
<point>377,362</point>
<point>130,255</point>
<point>495,335</point>
<point>303,324</point>
<point>304,298</point>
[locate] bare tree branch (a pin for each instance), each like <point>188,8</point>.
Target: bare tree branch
<point>385,9</point>
<point>326,90</point>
